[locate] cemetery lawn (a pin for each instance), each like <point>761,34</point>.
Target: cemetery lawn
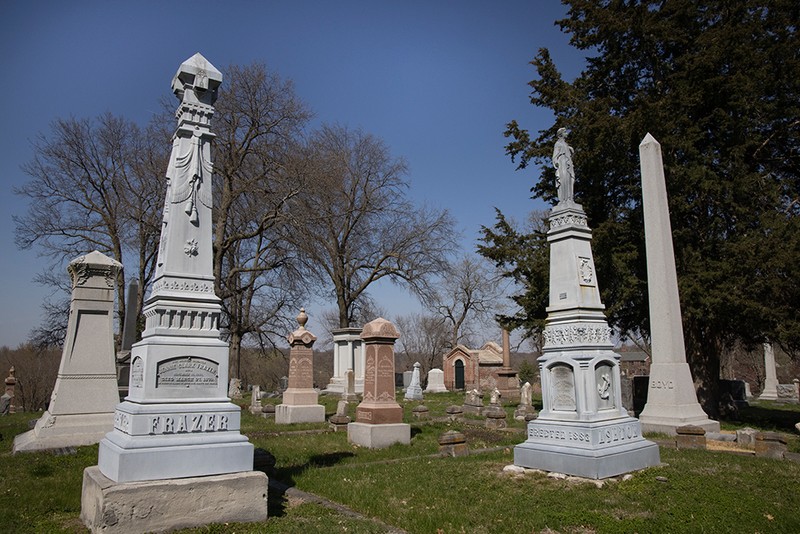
<point>411,488</point>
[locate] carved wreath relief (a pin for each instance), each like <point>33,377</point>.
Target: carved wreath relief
<point>585,271</point>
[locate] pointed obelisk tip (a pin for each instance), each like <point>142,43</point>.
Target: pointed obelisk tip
<point>649,140</point>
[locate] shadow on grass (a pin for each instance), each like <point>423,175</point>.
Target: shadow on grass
<point>282,478</point>
<point>768,417</point>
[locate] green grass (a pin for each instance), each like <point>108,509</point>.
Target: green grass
<point>412,488</point>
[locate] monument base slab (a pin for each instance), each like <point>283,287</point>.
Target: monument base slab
<point>163,505</point>
<point>174,461</point>
<point>669,425</point>
<point>286,414</point>
<point>590,450</point>
<point>378,436</point>
<point>58,431</point>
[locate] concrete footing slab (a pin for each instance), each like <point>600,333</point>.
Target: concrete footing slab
<point>286,414</point>
<point>378,436</point>
<point>164,505</point>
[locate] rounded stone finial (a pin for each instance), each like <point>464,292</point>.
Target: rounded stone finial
<point>302,318</point>
<point>380,328</point>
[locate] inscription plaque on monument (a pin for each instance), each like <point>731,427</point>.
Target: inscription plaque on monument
<point>137,373</point>
<point>187,371</point>
<point>563,388</point>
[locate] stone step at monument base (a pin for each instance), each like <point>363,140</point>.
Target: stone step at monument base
<point>286,414</point>
<point>668,425</point>
<point>58,431</point>
<point>165,505</point>
<point>378,436</point>
<point>590,450</point>
<point>338,385</point>
<point>174,458</point>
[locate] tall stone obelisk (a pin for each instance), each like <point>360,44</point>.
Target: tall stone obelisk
<point>583,428</point>
<point>671,397</point>
<point>177,429</point>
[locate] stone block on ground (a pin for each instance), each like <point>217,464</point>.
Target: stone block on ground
<point>378,436</point>
<point>286,414</point>
<point>453,443</point>
<point>770,445</point>
<point>690,437</point>
<point>164,505</point>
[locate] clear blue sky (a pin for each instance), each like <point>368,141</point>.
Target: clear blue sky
<point>437,80</point>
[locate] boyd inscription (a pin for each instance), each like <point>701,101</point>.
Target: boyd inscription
<point>187,371</point>
<point>662,384</point>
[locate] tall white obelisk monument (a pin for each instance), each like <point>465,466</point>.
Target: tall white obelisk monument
<point>671,397</point>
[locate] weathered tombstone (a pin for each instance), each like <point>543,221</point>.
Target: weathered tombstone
<point>349,393</point>
<point>283,383</point>
<point>340,420</point>
<point>176,437</point>
<point>507,381</point>
<point>435,382</point>
<point>671,397</point>
<point>235,388</point>
<point>81,409</point>
<point>414,391</point>
<point>7,400</point>
<point>379,419</point>
<point>525,406</point>
<point>495,414</point>
<point>770,391</point>
<point>255,401</point>
<point>473,402</point>
<point>582,429</point>
<point>300,399</point>
<point>348,353</point>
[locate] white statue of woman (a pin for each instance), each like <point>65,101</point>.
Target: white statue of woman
<point>565,173</point>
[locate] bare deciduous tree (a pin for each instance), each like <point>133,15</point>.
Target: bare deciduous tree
<point>423,338</point>
<point>92,188</point>
<point>359,226</point>
<point>258,121</point>
<point>466,299</point>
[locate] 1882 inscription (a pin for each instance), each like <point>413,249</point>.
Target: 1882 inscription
<point>187,371</point>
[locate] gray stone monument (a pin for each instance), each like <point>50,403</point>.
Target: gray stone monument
<point>347,354</point>
<point>770,391</point>
<point>583,429</point>
<point>300,398</point>
<point>435,382</point>
<point>176,436</point>
<point>81,409</point>
<point>671,397</point>
<point>414,391</point>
